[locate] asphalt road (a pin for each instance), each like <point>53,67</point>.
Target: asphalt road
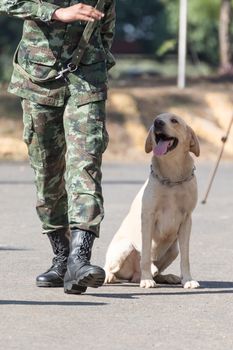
<point>122,316</point>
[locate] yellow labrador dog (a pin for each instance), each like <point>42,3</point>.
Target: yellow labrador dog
<point>160,215</point>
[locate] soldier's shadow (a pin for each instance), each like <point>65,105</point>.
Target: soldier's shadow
<point>50,303</point>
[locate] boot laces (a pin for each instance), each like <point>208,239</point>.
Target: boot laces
<point>83,250</point>
<point>59,265</point>
<point>60,245</point>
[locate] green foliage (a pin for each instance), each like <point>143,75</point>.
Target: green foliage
<point>154,26</point>
<point>167,46</point>
<point>203,21</point>
<point>141,22</point>
<point>10,30</point>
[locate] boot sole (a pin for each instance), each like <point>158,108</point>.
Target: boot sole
<point>75,289</point>
<point>49,284</point>
<point>88,279</point>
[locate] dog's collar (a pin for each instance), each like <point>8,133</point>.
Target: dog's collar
<point>166,182</point>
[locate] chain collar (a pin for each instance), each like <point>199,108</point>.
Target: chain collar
<point>166,182</point>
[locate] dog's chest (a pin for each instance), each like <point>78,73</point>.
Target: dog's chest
<point>179,199</point>
<point>167,222</point>
<point>170,211</point>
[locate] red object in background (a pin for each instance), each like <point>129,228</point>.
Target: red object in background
<point>127,47</point>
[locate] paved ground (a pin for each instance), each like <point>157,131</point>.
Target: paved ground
<point>124,316</point>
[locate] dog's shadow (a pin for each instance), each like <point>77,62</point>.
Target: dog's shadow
<point>216,284</point>
<point>206,287</point>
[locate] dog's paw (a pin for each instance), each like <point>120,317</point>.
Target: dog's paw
<point>147,284</point>
<point>190,284</point>
<point>110,278</point>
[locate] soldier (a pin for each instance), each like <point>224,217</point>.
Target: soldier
<point>64,127</point>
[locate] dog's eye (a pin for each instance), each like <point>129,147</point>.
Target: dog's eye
<point>174,121</point>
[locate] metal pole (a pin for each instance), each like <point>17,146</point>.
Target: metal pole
<point>182,44</point>
<point>224,140</point>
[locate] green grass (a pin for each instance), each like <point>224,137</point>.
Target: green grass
<point>127,66</point>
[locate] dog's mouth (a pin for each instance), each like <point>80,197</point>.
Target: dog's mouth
<point>164,144</point>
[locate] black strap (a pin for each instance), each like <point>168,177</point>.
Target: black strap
<point>82,45</point>
<point>87,33</point>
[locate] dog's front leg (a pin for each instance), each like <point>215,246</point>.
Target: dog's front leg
<point>147,230</point>
<point>184,237</point>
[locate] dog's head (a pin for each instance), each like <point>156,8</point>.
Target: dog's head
<point>170,133</point>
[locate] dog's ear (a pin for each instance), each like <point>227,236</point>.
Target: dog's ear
<point>194,145</point>
<point>148,144</point>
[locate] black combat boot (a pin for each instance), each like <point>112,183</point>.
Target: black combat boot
<point>54,276</point>
<point>80,273</point>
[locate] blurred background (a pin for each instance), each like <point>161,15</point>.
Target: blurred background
<point>144,81</point>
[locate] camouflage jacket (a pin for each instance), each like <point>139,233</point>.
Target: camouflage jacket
<point>48,45</point>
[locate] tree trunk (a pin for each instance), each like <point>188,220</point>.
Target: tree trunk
<point>226,66</point>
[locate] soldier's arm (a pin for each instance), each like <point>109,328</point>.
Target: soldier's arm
<point>108,31</point>
<point>30,9</point>
<point>44,11</point>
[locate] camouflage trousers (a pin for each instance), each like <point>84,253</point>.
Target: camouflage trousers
<point>65,146</point>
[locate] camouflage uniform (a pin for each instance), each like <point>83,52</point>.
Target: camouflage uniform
<point>64,121</point>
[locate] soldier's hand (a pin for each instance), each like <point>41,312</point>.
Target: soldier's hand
<point>78,12</point>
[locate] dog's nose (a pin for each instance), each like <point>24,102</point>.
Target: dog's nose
<point>159,124</point>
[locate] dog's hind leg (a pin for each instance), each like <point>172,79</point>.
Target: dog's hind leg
<point>164,262</point>
<point>110,277</point>
<point>167,279</point>
<point>116,261</point>
<point>135,263</point>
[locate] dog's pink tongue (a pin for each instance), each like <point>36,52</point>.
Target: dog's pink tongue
<point>161,148</point>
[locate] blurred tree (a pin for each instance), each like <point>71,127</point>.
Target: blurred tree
<point>141,27</point>
<point>10,29</point>
<point>210,30</point>
<point>225,20</point>
<point>203,18</point>
<point>10,33</point>
<point>153,28</point>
